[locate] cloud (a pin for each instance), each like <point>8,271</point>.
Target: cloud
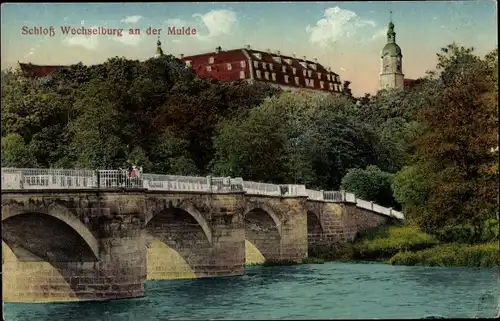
<point>378,34</point>
<point>127,39</point>
<point>88,42</point>
<point>176,22</point>
<point>131,19</point>
<point>337,24</point>
<point>218,22</point>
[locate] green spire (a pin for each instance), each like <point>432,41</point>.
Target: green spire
<point>391,35</point>
<point>159,51</point>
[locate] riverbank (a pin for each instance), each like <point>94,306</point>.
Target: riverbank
<point>407,245</point>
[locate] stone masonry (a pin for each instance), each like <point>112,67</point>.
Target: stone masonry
<point>93,244</point>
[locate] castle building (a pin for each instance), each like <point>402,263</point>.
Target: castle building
<point>391,69</point>
<point>288,73</point>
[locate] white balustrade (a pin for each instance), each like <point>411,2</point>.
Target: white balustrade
<point>314,195</point>
<point>255,188</point>
<point>28,178</point>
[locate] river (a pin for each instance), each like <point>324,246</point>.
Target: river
<point>314,291</point>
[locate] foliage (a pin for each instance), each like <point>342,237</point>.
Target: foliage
<point>480,255</point>
<point>471,234</point>
<point>370,184</point>
<point>295,137</point>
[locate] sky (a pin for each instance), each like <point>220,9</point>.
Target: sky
<point>346,36</point>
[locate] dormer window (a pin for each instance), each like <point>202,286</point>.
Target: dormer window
<point>209,68</point>
<point>273,76</point>
<point>319,75</point>
<point>256,64</point>
<point>229,67</point>
<point>283,68</point>
<point>277,59</point>
<point>243,64</point>
<point>211,60</point>
<point>288,61</point>
<point>294,70</point>
<point>313,66</point>
<point>257,55</point>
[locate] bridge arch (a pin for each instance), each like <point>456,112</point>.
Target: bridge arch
<point>55,211</point>
<point>263,229</point>
<point>178,238</point>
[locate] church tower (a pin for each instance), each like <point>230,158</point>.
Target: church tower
<point>391,69</point>
<point>159,51</point>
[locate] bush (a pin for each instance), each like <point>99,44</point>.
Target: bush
<point>392,241</point>
<point>370,184</point>
<point>480,255</point>
<point>469,234</point>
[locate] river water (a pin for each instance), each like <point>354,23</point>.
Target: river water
<point>315,291</point>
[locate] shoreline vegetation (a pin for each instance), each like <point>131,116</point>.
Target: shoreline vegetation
<point>404,245</point>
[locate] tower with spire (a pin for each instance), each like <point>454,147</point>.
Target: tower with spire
<point>159,51</point>
<point>391,69</point>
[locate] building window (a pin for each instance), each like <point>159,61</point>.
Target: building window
<point>328,77</point>
<point>270,66</point>
<point>273,76</point>
<point>266,75</point>
<point>242,74</point>
<point>229,67</point>
<point>311,82</point>
<point>286,79</point>
<point>304,72</point>
<point>257,55</point>
<point>188,63</point>
<point>209,68</point>
<point>331,86</point>
<point>264,65</point>
<point>322,84</point>
<point>294,70</point>
<point>338,79</point>
<point>211,60</point>
<point>297,81</point>
<point>258,74</point>
<point>283,68</point>
<point>335,87</point>
<point>319,75</point>
<point>243,64</point>
<point>310,73</point>
<point>288,61</point>
<point>256,64</point>
<point>307,82</point>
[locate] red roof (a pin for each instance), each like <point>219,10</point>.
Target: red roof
<point>263,66</point>
<point>37,70</point>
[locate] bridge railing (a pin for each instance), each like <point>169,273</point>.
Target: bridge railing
<point>29,178</point>
<point>40,178</point>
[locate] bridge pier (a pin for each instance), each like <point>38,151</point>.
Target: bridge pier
<point>55,256</point>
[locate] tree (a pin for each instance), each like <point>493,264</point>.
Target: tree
<point>15,153</point>
<point>461,127</point>
<point>370,184</point>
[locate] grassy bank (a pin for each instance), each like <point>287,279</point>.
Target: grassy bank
<point>479,255</point>
<point>407,245</point>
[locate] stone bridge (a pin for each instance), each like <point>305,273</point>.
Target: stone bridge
<point>85,235</point>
